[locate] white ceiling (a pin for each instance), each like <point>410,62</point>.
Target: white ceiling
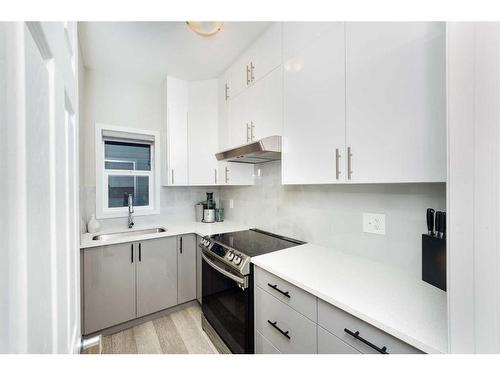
<point>148,51</point>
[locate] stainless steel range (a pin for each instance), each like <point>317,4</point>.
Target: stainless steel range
<point>227,285</point>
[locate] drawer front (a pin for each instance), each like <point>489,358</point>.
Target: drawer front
<point>263,345</point>
<point>336,320</point>
<point>290,332</point>
<point>289,294</point>
<point>331,344</point>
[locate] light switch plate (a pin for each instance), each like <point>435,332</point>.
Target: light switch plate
<point>231,203</point>
<point>374,223</point>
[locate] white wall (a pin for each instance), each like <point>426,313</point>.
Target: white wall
<point>331,215</point>
<point>118,101</point>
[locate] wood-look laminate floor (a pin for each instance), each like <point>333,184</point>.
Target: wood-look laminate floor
<point>179,332</point>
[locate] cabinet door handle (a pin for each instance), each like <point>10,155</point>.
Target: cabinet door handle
<point>180,245</point>
<point>248,130</point>
<point>172,176</point>
<point>226,90</point>
<point>132,253</point>
<point>215,176</point>
<point>275,325</point>
<point>356,335</point>
<point>140,253</point>
<point>349,163</point>
<point>226,173</point>
<point>252,126</point>
<point>252,67</point>
<point>275,287</point>
<point>337,163</point>
<point>248,75</point>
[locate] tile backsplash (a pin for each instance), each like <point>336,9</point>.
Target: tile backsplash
<point>332,215</point>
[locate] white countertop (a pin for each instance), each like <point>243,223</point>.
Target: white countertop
<point>405,307</point>
<point>173,229</point>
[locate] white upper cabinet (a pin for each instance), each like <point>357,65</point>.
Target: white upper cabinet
<point>235,173</point>
<point>314,103</point>
<point>223,104</point>
<point>265,106</point>
<point>265,53</point>
<point>238,117</point>
<point>256,62</point>
<point>396,101</point>
<point>202,132</point>
<point>175,131</point>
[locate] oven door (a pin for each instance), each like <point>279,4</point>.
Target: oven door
<point>227,304</point>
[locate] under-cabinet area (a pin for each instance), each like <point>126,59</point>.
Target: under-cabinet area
<point>233,187</point>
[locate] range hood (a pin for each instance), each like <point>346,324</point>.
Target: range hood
<point>262,151</point>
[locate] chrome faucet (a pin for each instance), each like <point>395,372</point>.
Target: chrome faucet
<point>130,211</point>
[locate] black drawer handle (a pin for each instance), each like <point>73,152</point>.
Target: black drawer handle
<point>275,287</point>
<point>356,335</point>
<point>140,253</point>
<point>132,252</point>
<point>274,324</point>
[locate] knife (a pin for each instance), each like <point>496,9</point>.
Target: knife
<point>439,224</point>
<point>430,221</point>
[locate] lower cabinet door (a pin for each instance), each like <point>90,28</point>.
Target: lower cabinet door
<point>289,331</point>
<point>156,275</point>
<point>108,286</point>
<point>263,345</point>
<point>331,344</point>
<point>186,264</point>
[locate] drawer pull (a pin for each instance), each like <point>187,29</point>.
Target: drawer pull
<point>356,335</point>
<point>275,287</point>
<point>274,324</point>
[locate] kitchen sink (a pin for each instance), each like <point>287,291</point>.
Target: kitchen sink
<point>131,233</point>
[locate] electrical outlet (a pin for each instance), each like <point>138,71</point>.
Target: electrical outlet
<point>231,203</point>
<point>374,223</point>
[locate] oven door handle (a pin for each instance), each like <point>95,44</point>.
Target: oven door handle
<point>242,281</point>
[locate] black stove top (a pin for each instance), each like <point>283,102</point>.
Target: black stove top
<point>255,242</point>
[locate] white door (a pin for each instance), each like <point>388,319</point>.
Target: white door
<point>265,106</point>
<point>238,77</point>
<point>40,270</point>
<point>235,173</point>
<point>223,103</point>
<point>396,101</point>
<point>239,119</point>
<point>314,105</point>
<point>265,53</point>
<point>177,131</point>
<point>202,132</point>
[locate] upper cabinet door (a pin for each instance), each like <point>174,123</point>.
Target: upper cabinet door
<point>265,106</point>
<point>156,274</point>
<point>396,101</point>
<point>177,131</point>
<point>314,104</point>
<point>239,119</point>
<point>223,105</point>
<point>202,132</point>
<point>265,54</point>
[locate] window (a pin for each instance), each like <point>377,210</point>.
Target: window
<point>125,165</point>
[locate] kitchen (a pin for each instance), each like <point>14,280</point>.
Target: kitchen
<point>261,187</point>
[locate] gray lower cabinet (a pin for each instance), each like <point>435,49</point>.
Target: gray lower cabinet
<point>186,265</point>
<point>156,275</point>
<point>125,281</point>
<point>198,270</point>
<point>331,344</point>
<point>109,286</point>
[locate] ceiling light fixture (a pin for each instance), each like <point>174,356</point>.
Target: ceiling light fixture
<point>205,28</point>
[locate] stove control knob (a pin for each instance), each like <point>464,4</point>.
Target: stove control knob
<point>237,260</point>
<point>230,256</point>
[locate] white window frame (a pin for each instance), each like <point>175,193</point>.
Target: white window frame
<point>131,135</point>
